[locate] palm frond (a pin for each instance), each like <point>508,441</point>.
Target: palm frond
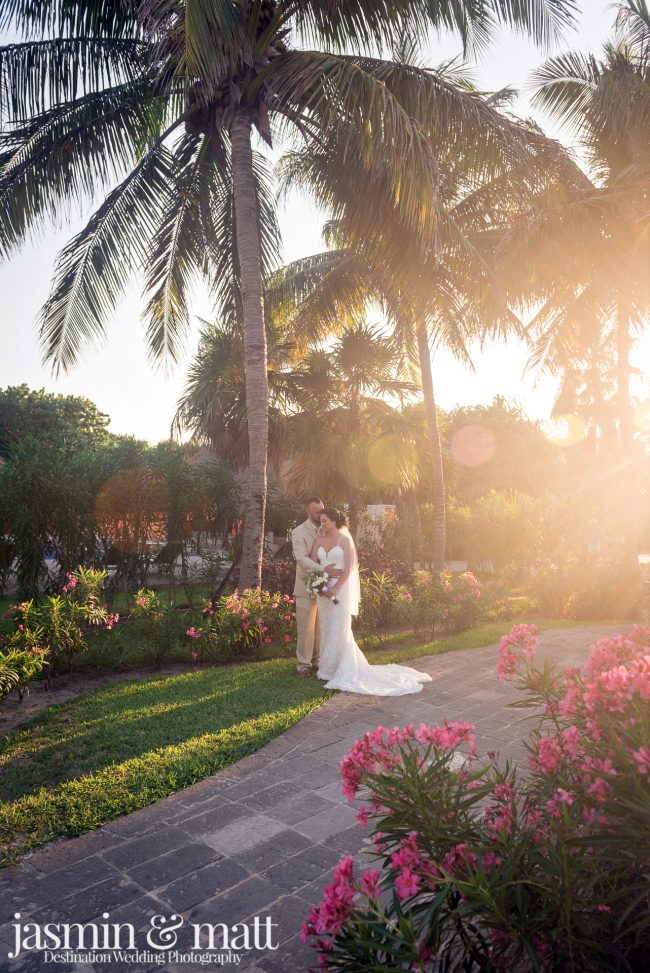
<point>60,18</point>
<point>68,154</point>
<point>564,86</point>
<point>177,252</point>
<point>93,269</point>
<point>38,75</point>
<point>633,25</point>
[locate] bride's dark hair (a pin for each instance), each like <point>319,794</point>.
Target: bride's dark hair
<point>337,516</point>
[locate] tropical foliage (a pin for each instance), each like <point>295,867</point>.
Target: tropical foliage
<point>484,867</point>
<point>155,106</point>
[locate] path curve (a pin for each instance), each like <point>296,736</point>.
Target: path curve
<point>262,836</point>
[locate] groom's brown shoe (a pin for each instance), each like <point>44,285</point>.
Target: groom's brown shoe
<point>304,672</point>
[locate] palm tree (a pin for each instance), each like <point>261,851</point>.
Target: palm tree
<point>213,406</point>
<point>429,296</point>
<point>155,103</point>
<point>345,435</point>
<point>585,257</point>
<point>332,428</point>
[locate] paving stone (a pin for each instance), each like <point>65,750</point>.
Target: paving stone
<point>288,913</point>
<point>138,912</point>
<point>68,851</point>
<point>299,870</point>
<point>213,819</point>
<point>61,882</point>
<point>249,898</point>
<point>165,868</point>
<point>349,841</point>
<point>269,797</point>
<point>242,834</point>
<point>299,766</point>
<point>213,856</point>
<point>84,905</point>
<point>327,823</point>
<point>196,887</point>
<point>263,855</point>
<point>252,785</point>
<point>304,806</point>
<point>319,776</point>
<point>292,957</point>
<point>139,821</point>
<point>147,847</point>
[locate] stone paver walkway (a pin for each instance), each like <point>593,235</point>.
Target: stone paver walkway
<point>262,836</point>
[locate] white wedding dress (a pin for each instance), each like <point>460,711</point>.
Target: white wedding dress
<point>342,663</point>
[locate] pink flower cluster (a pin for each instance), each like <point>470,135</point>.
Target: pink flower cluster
<point>519,636</point>
<point>326,919</point>
<point>71,583</point>
<point>380,749</point>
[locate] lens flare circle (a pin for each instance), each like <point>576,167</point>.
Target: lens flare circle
<point>473,445</point>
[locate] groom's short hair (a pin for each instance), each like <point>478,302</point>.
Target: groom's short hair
<point>311,500</point>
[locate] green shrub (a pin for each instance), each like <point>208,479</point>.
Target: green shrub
<point>443,601</point>
<point>238,625</point>
<point>383,602</point>
<point>590,591</point>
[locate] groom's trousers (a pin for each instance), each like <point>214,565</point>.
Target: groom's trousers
<point>308,642</point>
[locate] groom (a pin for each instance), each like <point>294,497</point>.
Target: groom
<point>302,541</point>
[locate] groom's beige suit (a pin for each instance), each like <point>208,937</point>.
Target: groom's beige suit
<point>307,646</point>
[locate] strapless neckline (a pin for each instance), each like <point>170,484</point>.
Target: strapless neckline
<point>325,551</point>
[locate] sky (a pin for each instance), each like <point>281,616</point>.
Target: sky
<point>141,401</point>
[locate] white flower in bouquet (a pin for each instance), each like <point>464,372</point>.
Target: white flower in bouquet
<point>316,582</point>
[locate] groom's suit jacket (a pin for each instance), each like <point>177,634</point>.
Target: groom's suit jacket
<point>302,541</point>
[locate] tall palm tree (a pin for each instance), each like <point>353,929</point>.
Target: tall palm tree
<point>154,102</point>
<point>428,295</point>
<point>585,257</point>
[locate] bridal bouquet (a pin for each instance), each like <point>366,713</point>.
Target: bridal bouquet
<point>316,582</point>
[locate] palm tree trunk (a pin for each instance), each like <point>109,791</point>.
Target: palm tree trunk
<point>254,333</point>
<point>435,449</point>
<point>626,432</point>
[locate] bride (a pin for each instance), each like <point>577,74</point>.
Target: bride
<point>342,663</point>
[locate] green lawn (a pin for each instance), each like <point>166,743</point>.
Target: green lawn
<point>113,750</point>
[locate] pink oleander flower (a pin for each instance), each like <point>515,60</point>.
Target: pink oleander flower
<point>193,633</point>
<point>522,636</point>
<point>559,798</point>
<point>370,883</point>
<point>287,638</point>
<point>548,755</point>
<point>642,759</point>
<point>406,883</point>
<point>141,601</point>
<point>112,620</point>
<point>71,583</point>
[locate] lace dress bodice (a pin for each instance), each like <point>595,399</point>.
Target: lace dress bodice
<point>334,556</point>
